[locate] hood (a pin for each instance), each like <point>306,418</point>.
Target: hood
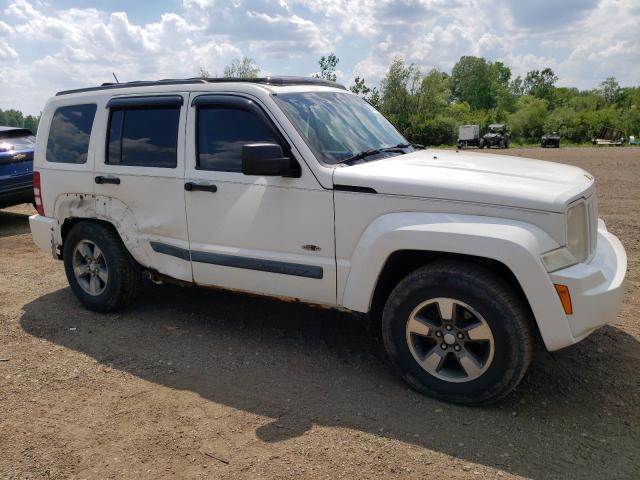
<point>472,177</point>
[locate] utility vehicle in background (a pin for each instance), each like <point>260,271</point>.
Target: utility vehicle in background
<point>551,140</point>
<point>468,136</point>
<point>497,136</point>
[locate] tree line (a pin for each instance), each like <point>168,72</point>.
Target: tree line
<point>15,118</point>
<point>428,107</point>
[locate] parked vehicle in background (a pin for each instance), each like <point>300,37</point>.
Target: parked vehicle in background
<point>633,140</point>
<point>550,140</point>
<point>497,136</point>
<point>468,136</point>
<point>16,166</point>
<point>609,136</point>
<point>297,188</point>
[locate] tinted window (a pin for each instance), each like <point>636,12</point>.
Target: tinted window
<point>70,133</point>
<point>221,134</point>
<point>143,137</point>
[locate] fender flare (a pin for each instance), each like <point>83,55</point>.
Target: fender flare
<point>518,245</point>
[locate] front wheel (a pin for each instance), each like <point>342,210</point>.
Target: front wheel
<point>457,333</point>
<point>100,271</point>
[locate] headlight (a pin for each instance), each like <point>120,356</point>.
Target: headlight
<point>578,231</point>
<point>576,249</point>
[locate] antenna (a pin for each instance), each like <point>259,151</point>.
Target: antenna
<point>114,76</point>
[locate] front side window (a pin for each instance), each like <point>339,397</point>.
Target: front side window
<point>222,131</point>
<point>70,133</point>
<point>338,125</point>
<point>143,137</point>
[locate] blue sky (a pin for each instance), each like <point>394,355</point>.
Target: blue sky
<point>46,46</point>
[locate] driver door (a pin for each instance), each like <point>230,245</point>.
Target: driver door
<point>270,235</point>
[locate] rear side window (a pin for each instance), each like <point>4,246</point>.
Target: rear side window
<point>221,134</point>
<point>70,133</point>
<point>143,137</point>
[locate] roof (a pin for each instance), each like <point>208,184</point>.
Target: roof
<point>275,81</point>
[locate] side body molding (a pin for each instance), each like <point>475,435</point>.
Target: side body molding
<point>517,245</point>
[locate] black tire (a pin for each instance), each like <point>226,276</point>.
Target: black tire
<point>481,145</point>
<point>503,310</point>
<point>124,274</point>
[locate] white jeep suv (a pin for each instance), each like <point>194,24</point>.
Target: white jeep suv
<point>294,187</point>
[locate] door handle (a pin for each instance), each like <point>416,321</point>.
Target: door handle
<point>202,187</point>
<point>100,180</point>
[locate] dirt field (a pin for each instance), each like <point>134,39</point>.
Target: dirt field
<point>195,383</point>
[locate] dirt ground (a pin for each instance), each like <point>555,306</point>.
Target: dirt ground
<point>193,383</point>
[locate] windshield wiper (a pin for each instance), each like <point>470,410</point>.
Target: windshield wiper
<point>374,151</point>
<point>361,155</point>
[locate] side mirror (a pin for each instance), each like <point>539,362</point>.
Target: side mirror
<point>266,159</point>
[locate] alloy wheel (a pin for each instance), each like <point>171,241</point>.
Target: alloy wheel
<point>450,340</point>
<point>90,267</point>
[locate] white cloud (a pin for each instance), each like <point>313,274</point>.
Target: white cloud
<point>44,49</point>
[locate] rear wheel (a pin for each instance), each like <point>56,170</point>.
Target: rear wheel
<point>99,269</point>
<point>457,333</point>
<point>481,144</point>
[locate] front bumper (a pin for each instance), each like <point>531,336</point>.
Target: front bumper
<point>596,288</point>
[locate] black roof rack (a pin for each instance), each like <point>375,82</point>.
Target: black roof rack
<point>279,81</point>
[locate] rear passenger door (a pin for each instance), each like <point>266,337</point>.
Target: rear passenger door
<point>140,171</point>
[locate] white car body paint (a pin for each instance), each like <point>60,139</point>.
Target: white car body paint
<point>507,209</point>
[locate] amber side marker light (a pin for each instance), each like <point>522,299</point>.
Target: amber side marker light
<point>565,298</point>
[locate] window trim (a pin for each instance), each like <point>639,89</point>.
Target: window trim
<point>146,101</point>
<point>53,116</point>
<point>238,102</point>
<point>141,106</point>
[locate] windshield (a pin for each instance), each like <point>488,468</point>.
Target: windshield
<point>338,125</point>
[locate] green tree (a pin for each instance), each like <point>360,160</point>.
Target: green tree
<point>31,122</point>
<point>472,81</point>
<point>328,66</point>
<point>528,121</point>
<point>244,67</point>
<point>398,89</point>
<point>434,94</point>
<point>370,94</point>
<point>12,118</point>
<point>610,90</point>
<point>540,84</point>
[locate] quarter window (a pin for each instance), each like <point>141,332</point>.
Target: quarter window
<point>143,137</point>
<point>221,134</point>
<point>70,133</point>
